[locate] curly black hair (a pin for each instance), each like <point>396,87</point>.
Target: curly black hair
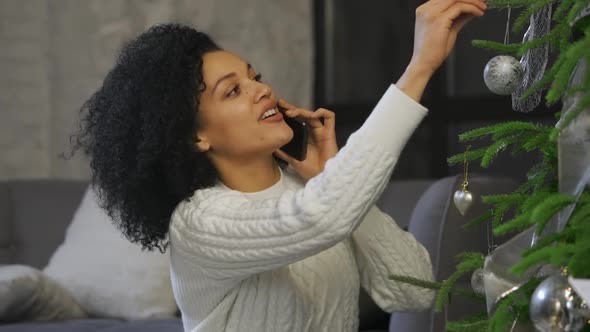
<point>139,130</point>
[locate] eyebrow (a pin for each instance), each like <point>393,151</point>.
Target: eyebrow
<point>226,76</point>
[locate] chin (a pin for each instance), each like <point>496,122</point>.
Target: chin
<point>288,134</point>
<point>284,137</point>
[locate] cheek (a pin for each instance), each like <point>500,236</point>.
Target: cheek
<point>235,131</point>
<point>284,133</point>
<point>290,134</point>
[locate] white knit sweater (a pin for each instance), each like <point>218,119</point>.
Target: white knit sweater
<point>292,257</point>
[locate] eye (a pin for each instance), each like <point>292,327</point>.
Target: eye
<point>258,77</point>
<point>234,91</point>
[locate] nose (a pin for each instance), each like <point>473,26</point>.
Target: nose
<point>262,91</point>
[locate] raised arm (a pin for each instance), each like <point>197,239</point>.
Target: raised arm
<point>228,236</point>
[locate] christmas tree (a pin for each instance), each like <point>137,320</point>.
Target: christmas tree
<point>550,212</point>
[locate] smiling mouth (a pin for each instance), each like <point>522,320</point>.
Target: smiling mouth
<point>269,114</point>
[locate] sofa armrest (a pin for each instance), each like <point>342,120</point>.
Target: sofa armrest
<point>35,215</point>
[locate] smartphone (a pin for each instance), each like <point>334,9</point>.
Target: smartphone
<point>297,147</point>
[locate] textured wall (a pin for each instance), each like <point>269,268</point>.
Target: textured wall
<point>55,53</point>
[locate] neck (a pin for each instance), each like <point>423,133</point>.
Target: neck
<point>248,175</point>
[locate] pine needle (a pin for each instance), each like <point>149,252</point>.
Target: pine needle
<point>486,216</point>
<point>469,261</point>
<point>415,281</point>
<point>498,47</point>
<point>544,211</point>
<point>525,15</point>
<point>477,323</point>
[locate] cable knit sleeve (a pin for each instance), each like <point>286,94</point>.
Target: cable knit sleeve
<point>228,236</point>
<point>382,248</point>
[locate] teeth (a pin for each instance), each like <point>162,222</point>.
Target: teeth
<point>269,113</point>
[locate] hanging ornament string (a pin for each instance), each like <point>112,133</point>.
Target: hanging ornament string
<point>507,33</point>
<point>515,321</point>
<point>465,184</point>
<point>490,235</point>
<point>465,167</point>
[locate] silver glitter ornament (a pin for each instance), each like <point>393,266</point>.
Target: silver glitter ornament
<point>477,281</point>
<point>503,74</point>
<point>555,306</point>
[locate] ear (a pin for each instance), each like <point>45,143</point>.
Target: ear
<point>202,144</point>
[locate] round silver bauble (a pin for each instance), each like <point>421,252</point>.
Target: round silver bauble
<point>503,74</point>
<point>477,281</point>
<point>555,306</point>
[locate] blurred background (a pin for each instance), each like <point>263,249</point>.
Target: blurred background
<point>336,54</point>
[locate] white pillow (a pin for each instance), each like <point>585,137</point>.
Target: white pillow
<point>108,275</point>
<point>27,294</point>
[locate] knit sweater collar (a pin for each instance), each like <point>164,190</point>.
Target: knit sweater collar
<point>272,191</point>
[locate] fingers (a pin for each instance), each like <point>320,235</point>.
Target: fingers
<point>295,112</point>
<point>315,119</point>
<point>439,6</point>
<point>459,9</point>
<point>327,117</point>
<point>284,104</point>
<point>434,10</point>
<point>461,21</point>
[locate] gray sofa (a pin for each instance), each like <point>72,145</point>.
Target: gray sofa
<point>35,213</point>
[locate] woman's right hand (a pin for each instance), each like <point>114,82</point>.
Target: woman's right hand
<point>321,141</point>
<point>437,24</point>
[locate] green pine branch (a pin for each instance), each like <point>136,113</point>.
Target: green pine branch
<point>579,264</point>
<point>523,219</point>
<point>537,177</point>
<point>568,247</point>
<point>537,200</point>
<point>568,118</point>
<point>514,306</point>
<point>548,77</point>
<point>572,56</point>
<point>544,211</point>
<point>557,255</point>
<point>477,323</point>
<point>486,216</point>
<point>549,240</point>
<point>525,15</point>
<point>469,261</point>
<point>493,150</point>
<point>575,10</point>
<point>498,47</point>
<point>502,204</point>
<point>415,282</point>
<point>500,130</point>
<point>469,156</point>
<point>581,213</point>
<point>563,9</point>
<point>509,3</point>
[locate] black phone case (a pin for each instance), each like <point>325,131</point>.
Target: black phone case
<point>297,147</point>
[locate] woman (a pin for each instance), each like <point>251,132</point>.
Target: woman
<point>182,151</point>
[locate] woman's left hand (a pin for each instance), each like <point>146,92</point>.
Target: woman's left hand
<point>321,143</point>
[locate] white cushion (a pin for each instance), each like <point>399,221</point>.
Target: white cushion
<point>108,275</point>
<point>27,294</point>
